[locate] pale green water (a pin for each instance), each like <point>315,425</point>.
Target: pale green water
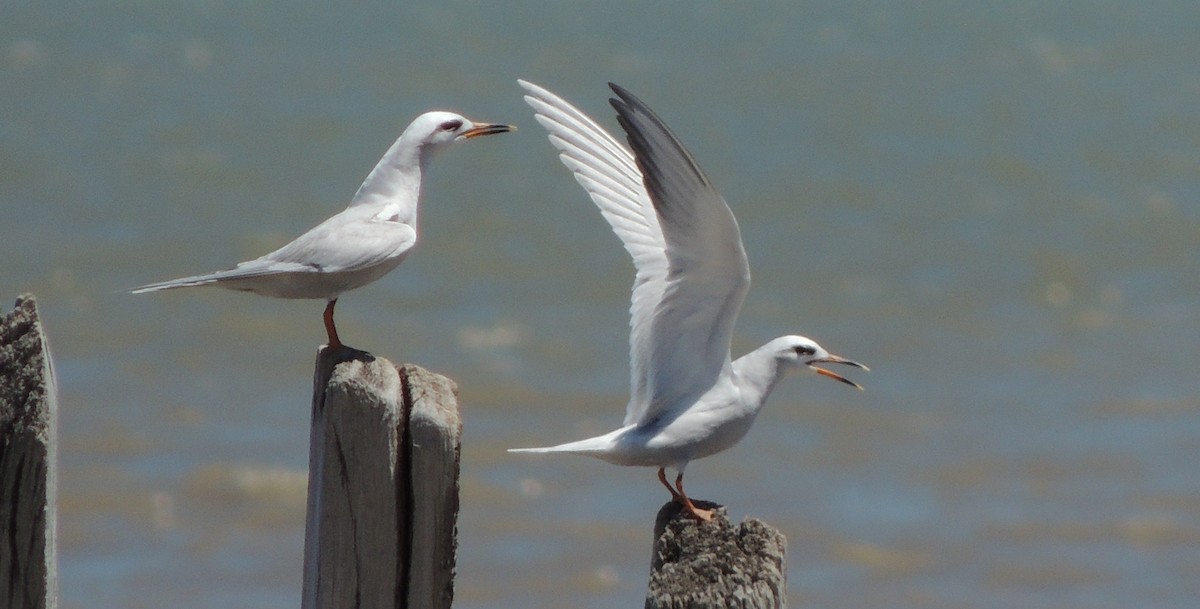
<point>995,205</point>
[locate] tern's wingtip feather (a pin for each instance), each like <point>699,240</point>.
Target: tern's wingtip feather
<point>619,90</point>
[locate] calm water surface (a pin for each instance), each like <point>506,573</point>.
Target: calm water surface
<point>994,204</point>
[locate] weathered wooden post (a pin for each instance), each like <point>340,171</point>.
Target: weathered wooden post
<point>715,565</point>
<point>382,485</point>
<point>28,471</point>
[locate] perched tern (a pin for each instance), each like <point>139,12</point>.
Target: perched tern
<point>687,399</point>
<point>362,242</point>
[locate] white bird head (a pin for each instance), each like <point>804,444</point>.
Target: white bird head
<point>397,178</point>
<point>433,131</point>
<point>804,354</point>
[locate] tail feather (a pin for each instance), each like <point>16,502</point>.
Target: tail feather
<point>184,282</point>
<point>590,446</point>
<point>247,270</point>
<point>542,449</point>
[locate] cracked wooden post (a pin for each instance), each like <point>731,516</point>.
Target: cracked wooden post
<point>28,455</point>
<point>716,564</point>
<point>382,485</point>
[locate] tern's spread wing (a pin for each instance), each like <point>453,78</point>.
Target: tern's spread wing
<point>709,274</point>
<point>671,333</point>
<point>607,171</point>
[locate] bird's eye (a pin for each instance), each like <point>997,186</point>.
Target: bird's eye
<point>451,125</point>
<point>805,350</point>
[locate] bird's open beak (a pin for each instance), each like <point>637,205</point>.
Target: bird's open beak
<point>834,359</point>
<point>486,129</point>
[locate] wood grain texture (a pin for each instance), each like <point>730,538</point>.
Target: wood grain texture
<point>435,437</point>
<point>716,564</point>
<point>28,456</point>
<point>383,485</point>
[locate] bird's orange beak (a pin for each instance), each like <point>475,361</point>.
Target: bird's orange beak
<point>836,359</point>
<point>486,129</point>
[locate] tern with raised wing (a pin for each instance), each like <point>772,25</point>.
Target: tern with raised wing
<point>688,399</point>
<point>361,243</point>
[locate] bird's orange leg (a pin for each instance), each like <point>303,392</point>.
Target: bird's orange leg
<point>662,477</point>
<point>330,329</point>
<point>692,510</point>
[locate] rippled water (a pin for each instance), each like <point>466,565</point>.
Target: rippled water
<point>995,205</point>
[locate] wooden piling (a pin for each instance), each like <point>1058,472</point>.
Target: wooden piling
<point>383,485</point>
<point>28,471</point>
<point>716,565</point>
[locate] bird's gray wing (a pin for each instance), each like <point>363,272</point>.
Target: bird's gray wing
<point>350,241</point>
<point>708,274</point>
<point>609,175</point>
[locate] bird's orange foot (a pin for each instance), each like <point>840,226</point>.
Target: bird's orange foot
<point>699,514</point>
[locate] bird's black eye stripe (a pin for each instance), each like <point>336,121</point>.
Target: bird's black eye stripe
<point>451,125</point>
<point>805,350</point>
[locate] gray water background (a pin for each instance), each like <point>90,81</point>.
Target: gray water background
<point>994,204</point>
